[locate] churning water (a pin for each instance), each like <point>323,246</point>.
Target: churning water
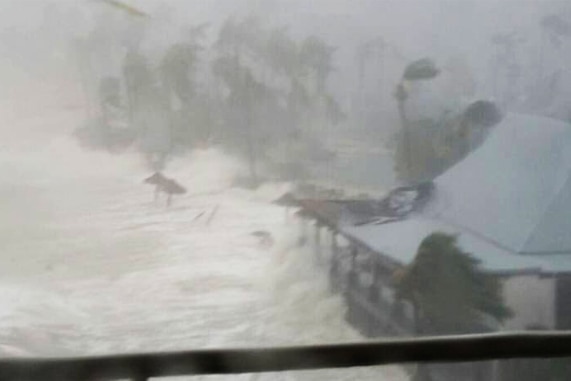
<point>90,264</point>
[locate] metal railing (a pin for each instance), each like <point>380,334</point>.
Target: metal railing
<point>140,367</point>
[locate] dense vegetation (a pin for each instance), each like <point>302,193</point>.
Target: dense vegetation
<point>254,89</point>
<point>449,291</point>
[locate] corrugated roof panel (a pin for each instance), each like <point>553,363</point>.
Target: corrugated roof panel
<point>503,190</point>
<point>400,241</point>
<point>509,202</point>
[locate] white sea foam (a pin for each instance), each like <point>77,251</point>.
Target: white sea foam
<point>91,265</point>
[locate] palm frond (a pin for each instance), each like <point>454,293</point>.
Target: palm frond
<point>422,69</point>
<point>126,8</point>
<point>448,287</point>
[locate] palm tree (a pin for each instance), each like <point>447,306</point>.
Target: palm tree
<point>364,54</point>
<point>243,38</point>
<point>420,70</point>
<point>281,53</point>
<point>316,57</point>
<point>275,85</point>
<point>138,78</point>
<point>372,50</point>
<point>246,94</point>
<point>179,63</point>
<point>448,290</point>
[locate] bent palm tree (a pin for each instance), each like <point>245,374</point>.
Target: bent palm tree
<point>420,70</point>
<point>448,290</point>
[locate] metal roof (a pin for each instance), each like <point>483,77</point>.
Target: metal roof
<point>400,240</point>
<point>514,189</point>
<point>509,202</point>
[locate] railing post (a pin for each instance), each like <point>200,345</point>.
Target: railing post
<point>352,277</point>
<point>317,241</point>
<point>334,265</point>
<point>374,288</point>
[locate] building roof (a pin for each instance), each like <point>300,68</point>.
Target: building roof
<point>400,240</point>
<point>509,202</point>
<point>514,190</point>
<point>326,212</point>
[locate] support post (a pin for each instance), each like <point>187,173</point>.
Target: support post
<point>334,265</point>
<point>317,241</point>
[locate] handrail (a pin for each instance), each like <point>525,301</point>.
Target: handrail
<point>443,349</point>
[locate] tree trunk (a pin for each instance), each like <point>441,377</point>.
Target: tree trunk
<point>317,242</point>
<point>407,145</point>
<point>333,269</point>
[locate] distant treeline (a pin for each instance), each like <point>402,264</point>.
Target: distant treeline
<point>253,89</point>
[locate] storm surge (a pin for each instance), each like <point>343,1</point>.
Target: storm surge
<point>92,264</point>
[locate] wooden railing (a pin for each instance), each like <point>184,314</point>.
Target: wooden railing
<point>139,367</point>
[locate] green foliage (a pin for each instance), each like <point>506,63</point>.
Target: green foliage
<point>244,36</point>
<point>448,289</point>
<point>138,76</point>
<point>176,70</point>
<point>275,86</point>
<point>409,166</point>
<point>425,151</point>
<point>316,58</point>
<point>255,90</point>
<point>422,69</point>
<point>431,146</point>
<point>483,113</point>
<point>282,53</point>
<point>179,64</point>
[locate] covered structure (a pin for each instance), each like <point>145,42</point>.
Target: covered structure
<point>509,203</point>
